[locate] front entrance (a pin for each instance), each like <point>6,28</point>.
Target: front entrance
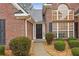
<point>38,31</point>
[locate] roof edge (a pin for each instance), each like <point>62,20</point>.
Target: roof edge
<point>19,8</point>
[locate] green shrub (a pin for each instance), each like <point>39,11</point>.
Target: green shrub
<point>75,51</point>
<point>49,37</point>
<point>60,39</point>
<point>20,46</point>
<point>71,38</point>
<point>73,43</point>
<point>59,45</point>
<point>2,50</point>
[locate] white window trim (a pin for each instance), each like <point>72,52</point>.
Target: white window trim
<point>57,15</point>
<point>68,16</point>
<point>73,30</point>
<point>57,30</point>
<point>68,23</point>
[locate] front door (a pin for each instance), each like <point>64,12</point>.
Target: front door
<point>2,36</point>
<point>38,31</point>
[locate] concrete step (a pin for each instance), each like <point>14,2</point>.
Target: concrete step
<point>39,41</point>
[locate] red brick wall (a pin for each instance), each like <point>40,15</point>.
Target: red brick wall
<point>13,27</point>
<point>73,6</point>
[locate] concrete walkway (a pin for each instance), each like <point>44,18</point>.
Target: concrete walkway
<point>39,49</point>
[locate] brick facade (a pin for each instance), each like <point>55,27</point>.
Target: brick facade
<point>16,27</point>
<point>13,27</point>
<point>29,30</point>
<point>49,16</point>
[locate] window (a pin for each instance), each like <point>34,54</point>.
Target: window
<point>54,15</point>
<point>55,34</point>
<point>62,30</point>
<point>71,33</point>
<point>62,26</point>
<point>71,26</point>
<point>59,15</point>
<point>54,26</point>
<point>50,27</point>
<point>2,41</point>
<point>69,16</point>
<point>62,34</point>
<point>71,29</point>
<point>54,29</point>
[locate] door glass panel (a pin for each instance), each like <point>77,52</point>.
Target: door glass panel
<point>39,31</point>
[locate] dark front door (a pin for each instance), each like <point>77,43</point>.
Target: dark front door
<point>76,29</point>
<point>2,37</point>
<point>38,31</point>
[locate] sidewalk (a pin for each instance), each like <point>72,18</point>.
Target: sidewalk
<point>39,49</point>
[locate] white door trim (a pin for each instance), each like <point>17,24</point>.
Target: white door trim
<point>43,31</point>
<point>34,31</point>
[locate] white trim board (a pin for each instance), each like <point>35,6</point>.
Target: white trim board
<point>21,14</point>
<point>19,8</point>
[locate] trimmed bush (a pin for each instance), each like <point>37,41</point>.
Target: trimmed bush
<point>59,45</point>
<point>49,38</point>
<point>75,51</point>
<point>73,43</point>
<point>71,38</point>
<point>20,46</point>
<point>2,50</point>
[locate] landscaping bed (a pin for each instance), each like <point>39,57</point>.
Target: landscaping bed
<point>8,52</point>
<point>20,46</point>
<point>59,45</point>
<point>73,43</point>
<point>53,52</point>
<point>75,51</point>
